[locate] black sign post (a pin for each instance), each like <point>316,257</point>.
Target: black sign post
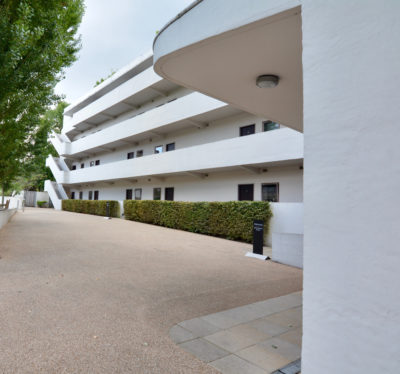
<point>258,236</point>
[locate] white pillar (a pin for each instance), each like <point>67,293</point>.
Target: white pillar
<point>351,63</point>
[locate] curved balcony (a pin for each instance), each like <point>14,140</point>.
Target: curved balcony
<point>249,152</point>
<point>169,117</point>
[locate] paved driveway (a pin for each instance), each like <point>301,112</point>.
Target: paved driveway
<point>80,294</point>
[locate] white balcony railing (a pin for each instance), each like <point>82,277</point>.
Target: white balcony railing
<point>61,143</point>
<point>56,193</point>
<point>58,168</point>
<point>261,148</point>
<point>170,113</point>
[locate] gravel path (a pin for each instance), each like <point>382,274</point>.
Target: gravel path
<point>82,295</point>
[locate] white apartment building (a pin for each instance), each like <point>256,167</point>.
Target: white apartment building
<point>139,136</point>
<point>337,64</point>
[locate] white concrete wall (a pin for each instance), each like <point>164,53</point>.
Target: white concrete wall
<point>282,146</point>
<point>225,128</point>
<point>6,215</point>
<point>351,69</point>
<point>222,186</point>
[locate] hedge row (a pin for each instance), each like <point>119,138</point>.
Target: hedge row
<point>231,220</point>
<point>96,207</point>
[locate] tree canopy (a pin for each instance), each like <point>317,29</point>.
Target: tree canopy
<point>37,42</point>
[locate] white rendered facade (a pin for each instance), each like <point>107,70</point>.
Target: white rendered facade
<point>136,111</point>
<point>339,67</point>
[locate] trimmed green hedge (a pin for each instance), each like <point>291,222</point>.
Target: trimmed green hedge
<point>96,207</point>
<point>231,220</point>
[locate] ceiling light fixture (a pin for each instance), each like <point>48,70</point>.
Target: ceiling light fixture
<point>267,81</point>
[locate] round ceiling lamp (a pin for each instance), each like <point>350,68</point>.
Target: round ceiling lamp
<point>267,81</point>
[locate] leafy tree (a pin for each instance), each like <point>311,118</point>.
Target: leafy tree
<point>37,41</point>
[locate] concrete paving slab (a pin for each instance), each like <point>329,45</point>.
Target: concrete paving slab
<point>237,337</point>
<point>204,350</point>
<point>179,335</point>
<point>199,327</point>
<point>260,356</point>
<point>235,365</point>
<point>282,347</point>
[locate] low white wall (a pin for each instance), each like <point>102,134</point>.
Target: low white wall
<point>42,196</point>
<point>15,201</point>
<point>5,216</point>
<point>286,233</point>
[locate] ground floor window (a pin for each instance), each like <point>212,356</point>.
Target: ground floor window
<point>138,194</point>
<point>248,130</point>
<point>156,193</point>
<point>170,147</point>
<point>96,195</point>
<point>80,195</point>
<point>246,192</point>
<point>129,194</point>
<point>270,192</point>
<point>169,193</point>
<point>90,195</point>
<point>139,153</point>
<point>130,155</point>
<point>73,167</point>
<point>72,195</point>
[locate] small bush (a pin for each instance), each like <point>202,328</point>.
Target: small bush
<point>95,207</point>
<point>41,203</point>
<point>231,220</point>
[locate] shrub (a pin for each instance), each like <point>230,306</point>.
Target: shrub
<point>41,203</point>
<point>95,207</point>
<point>231,220</point>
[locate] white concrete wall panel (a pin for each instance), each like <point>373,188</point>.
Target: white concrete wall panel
<point>351,69</point>
<point>6,215</point>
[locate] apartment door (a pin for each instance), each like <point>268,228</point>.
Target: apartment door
<point>169,193</point>
<point>246,192</point>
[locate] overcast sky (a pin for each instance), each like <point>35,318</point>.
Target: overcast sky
<point>113,34</point>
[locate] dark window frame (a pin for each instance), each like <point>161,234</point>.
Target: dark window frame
<point>96,195</point>
<point>130,155</point>
<point>138,190</point>
<point>166,193</point>
<point>90,195</point>
<point>167,146</point>
<point>158,189</point>
<point>73,195</point>
<point>80,195</point>
<point>266,123</point>
<point>91,163</point>
<point>242,186</point>
<point>247,130</point>
<point>83,165</point>
<point>128,194</point>
<point>276,184</point>
<point>139,153</point>
<point>97,162</point>
<point>73,167</point>
<point>158,152</point>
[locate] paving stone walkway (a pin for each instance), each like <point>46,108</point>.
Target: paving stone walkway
<point>258,338</point>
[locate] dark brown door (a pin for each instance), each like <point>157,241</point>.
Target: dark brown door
<point>246,192</point>
<point>169,193</point>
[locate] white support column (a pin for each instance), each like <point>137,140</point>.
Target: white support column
<point>351,67</point>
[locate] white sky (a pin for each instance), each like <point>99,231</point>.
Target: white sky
<point>113,33</point>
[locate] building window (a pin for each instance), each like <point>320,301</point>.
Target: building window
<point>170,147</point>
<point>73,167</point>
<point>130,155</point>
<point>247,130</point>
<point>72,195</point>
<point>158,149</point>
<point>97,162</point>
<point>246,192</point>
<point>91,163</point>
<point>82,166</point>
<point>129,194</point>
<point>80,195</point>
<point>90,195</point>
<point>96,195</point>
<point>138,194</point>
<point>139,153</point>
<point>157,193</point>
<point>269,125</point>
<point>169,193</point>
<point>270,192</point>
